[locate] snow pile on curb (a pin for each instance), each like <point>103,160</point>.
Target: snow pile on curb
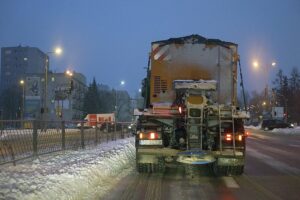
<point>289,131</point>
<point>286,131</point>
<point>253,127</point>
<point>83,174</point>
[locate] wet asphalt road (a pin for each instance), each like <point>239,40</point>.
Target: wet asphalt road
<point>272,171</point>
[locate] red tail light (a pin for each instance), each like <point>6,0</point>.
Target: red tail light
<point>240,137</point>
<point>152,136</point>
<point>180,109</point>
<point>228,137</point>
<point>247,133</point>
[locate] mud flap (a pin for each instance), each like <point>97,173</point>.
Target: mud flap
<point>195,157</point>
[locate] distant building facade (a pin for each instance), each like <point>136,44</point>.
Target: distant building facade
<point>64,95</point>
<point>18,61</point>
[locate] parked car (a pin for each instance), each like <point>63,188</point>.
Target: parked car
<point>270,124</point>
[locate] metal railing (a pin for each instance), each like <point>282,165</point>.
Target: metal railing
<point>26,139</point>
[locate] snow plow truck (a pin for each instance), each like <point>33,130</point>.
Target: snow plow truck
<point>191,115</point>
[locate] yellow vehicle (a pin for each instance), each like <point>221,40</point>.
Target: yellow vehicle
<point>190,111</point>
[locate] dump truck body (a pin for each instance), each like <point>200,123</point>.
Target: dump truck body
<point>191,114</point>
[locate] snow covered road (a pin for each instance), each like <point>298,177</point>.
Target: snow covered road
<point>82,174</point>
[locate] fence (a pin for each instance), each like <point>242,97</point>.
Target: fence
<point>25,139</point>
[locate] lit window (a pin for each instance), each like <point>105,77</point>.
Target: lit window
<point>25,59</point>
<point>52,79</point>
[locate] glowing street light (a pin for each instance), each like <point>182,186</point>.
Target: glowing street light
<point>255,64</point>
<point>22,83</point>
<point>69,73</point>
<point>266,70</point>
<point>56,51</point>
<point>122,83</point>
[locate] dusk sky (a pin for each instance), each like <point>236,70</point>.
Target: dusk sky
<point>110,40</point>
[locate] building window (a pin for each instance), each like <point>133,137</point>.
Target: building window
<point>52,79</point>
<point>7,52</point>
<point>25,59</point>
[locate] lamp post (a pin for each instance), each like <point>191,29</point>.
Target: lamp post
<point>44,110</point>
<point>266,69</point>
<point>22,83</point>
<point>122,83</point>
<point>69,74</point>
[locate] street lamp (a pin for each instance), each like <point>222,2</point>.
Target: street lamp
<point>69,74</point>
<point>122,83</point>
<point>266,103</point>
<point>22,83</point>
<point>266,69</point>
<point>255,64</point>
<point>57,51</point>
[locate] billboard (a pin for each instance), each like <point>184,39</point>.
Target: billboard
<point>33,88</point>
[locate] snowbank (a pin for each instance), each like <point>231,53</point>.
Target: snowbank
<point>83,174</point>
<point>287,131</point>
<point>291,131</point>
<point>253,127</point>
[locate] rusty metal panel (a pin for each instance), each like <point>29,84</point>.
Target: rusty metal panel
<point>192,59</point>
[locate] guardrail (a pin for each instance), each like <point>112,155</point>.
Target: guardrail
<point>25,139</point>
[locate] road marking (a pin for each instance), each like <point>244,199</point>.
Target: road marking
<point>273,162</point>
<point>230,182</point>
<point>259,187</point>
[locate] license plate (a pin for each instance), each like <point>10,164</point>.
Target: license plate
<point>150,142</point>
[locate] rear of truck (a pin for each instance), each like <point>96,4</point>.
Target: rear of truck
<point>191,114</point>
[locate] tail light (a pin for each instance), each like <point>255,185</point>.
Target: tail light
<point>141,136</point>
<point>247,133</point>
<point>152,136</point>
<point>180,109</point>
<point>240,137</point>
<point>228,137</point>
